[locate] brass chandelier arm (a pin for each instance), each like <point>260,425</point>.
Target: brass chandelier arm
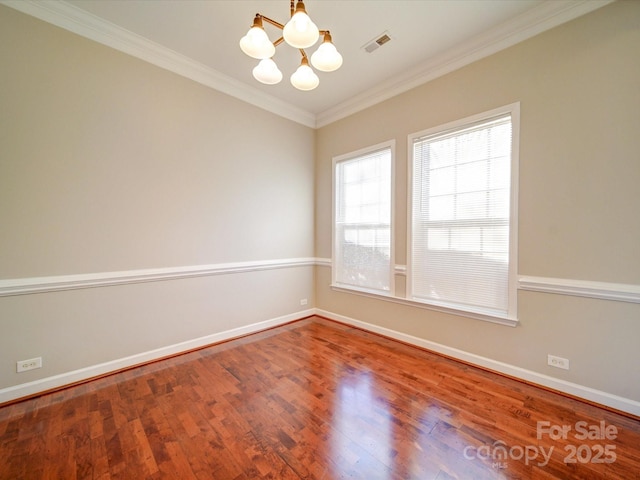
<point>281,26</point>
<point>270,21</point>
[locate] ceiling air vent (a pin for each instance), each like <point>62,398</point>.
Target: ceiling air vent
<point>377,42</point>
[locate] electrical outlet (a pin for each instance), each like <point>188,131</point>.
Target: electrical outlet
<point>303,301</point>
<point>558,362</point>
<point>24,365</point>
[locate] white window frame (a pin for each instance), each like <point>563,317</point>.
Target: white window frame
<point>511,316</point>
<point>391,146</point>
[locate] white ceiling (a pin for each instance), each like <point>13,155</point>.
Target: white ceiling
<point>199,38</point>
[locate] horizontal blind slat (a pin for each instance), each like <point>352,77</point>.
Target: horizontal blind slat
<point>460,217</point>
<point>363,221</point>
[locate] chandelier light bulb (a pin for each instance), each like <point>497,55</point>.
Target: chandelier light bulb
<point>304,78</point>
<point>300,31</point>
<point>256,42</point>
<point>267,72</point>
<point>326,58</point>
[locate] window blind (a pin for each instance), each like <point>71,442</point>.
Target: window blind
<point>460,218</point>
<point>362,226</point>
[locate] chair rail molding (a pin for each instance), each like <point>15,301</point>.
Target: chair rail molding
<point>24,286</point>
<point>620,292</point>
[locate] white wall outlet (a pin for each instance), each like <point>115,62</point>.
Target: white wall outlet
<point>303,301</point>
<point>24,365</point>
<point>558,362</point>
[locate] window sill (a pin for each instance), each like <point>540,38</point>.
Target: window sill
<point>510,322</point>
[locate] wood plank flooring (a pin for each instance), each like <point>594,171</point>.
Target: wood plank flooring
<point>314,400</point>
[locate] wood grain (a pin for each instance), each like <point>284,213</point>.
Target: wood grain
<point>311,400</point>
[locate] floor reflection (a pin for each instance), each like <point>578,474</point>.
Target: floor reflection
<point>362,444</point>
<point>376,435</point>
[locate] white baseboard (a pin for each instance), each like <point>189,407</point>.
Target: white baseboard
<point>45,384</point>
<point>576,390</point>
<point>38,386</point>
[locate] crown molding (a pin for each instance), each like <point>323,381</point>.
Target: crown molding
<point>546,16</point>
<point>537,20</point>
<point>85,24</point>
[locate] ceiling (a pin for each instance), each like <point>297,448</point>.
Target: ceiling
<point>199,39</point>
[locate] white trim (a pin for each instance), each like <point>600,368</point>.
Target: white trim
<point>514,209</point>
<point>326,262</point>
<point>619,292</point>
<point>346,157</point>
<point>23,286</point>
<point>574,389</point>
<point>323,262</point>
<point>90,26</point>
<point>533,22</point>
<point>32,388</point>
<point>513,111</point>
<point>527,25</point>
<point>486,317</point>
<point>56,381</point>
<point>400,270</point>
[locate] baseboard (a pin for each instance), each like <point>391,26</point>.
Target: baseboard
<point>575,390</point>
<point>29,389</point>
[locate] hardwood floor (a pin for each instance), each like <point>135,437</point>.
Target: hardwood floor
<point>316,400</point>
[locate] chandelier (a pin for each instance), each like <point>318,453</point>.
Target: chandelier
<point>299,32</point>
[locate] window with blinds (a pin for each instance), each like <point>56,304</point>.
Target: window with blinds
<point>362,243</point>
<point>462,238</point>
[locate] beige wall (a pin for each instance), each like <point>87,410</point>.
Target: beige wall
<point>109,164</point>
<point>578,88</point>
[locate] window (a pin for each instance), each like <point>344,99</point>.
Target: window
<point>362,232</point>
<point>462,238</point>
